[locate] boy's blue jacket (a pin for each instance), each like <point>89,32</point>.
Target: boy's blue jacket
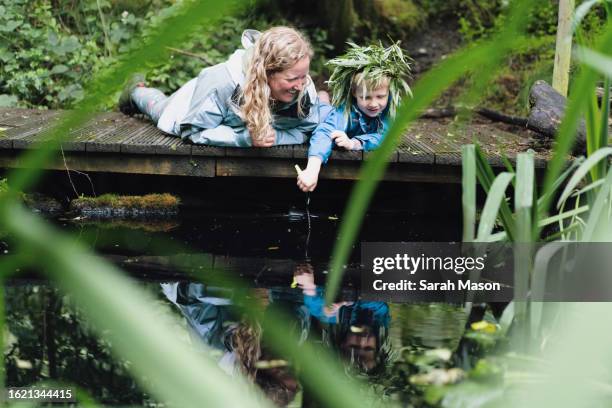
<point>316,303</point>
<point>369,131</point>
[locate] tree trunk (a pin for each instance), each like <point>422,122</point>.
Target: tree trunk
<point>547,110</point>
<point>340,19</point>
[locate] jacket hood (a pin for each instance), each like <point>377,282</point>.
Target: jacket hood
<point>238,61</point>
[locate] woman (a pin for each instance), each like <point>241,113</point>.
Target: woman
<point>262,96</point>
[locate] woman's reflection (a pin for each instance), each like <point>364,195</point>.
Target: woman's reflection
<point>215,322</point>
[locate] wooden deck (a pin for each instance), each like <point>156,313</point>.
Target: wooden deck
<point>112,142</point>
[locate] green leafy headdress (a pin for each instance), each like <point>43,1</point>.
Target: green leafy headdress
<point>374,63</point>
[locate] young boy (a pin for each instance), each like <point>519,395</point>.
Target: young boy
<point>367,84</point>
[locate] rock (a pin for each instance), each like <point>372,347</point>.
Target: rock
<point>42,204</point>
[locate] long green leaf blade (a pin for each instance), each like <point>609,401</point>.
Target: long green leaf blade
<point>468,198</point>
<point>497,194</point>
<point>582,171</point>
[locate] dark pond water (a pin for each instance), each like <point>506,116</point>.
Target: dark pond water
<point>265,240</point>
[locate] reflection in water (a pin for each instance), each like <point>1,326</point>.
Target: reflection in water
<point>432,325</point>
<point>48,339</point>
<point>357,330</point>
<point>213,321</point>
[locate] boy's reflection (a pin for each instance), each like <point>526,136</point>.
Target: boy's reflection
<point>358,330</point>
<point>213,321</point>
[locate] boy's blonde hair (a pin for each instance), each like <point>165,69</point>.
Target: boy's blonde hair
<point>276,50</point>
<point>360,84</point>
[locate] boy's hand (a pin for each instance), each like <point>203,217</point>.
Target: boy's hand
<point>342,140</point>
<point>305,281</point>
<point>307,179</point>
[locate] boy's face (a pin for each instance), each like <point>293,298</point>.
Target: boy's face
<point>374,101</point>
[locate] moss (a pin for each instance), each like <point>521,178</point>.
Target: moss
<point>163,201</point>
<point>402,12</point>
<point>143,225</point>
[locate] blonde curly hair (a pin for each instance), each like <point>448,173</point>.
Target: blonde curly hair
<point>277,49</point>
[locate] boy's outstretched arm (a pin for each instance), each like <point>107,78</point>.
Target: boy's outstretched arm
<point>321,145</point>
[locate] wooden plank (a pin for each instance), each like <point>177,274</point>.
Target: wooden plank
<point>210,151</point>
<point>340,170</point>
<point>32,133</point>
<point>284,151</point>
<point>122,163</point>
<point>143,140</point>
<point>17,117</point>
<point>393,158</point>
<point>100,124</point>
<point>246,167</point>
<point>412,150</point>
<point>446,151</point>
<point>173,145</point>
<point>338,154</point>
<point>76,138</point>
<point>301,151</point>
<point>110,140</point>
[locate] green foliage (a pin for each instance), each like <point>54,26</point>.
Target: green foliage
<point>71,350</point>
<point>49,50</point>
<point>480,18</point>
<point>402,13</point>
<point>508,92</point>
<point>214,44</point>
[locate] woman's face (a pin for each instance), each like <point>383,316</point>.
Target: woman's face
<point>286,85</point>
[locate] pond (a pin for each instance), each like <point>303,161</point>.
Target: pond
<point>280,255</point>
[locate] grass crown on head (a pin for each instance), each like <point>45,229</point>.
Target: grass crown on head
<point>372,66</point>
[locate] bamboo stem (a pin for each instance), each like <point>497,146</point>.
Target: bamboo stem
<point>564,47</point>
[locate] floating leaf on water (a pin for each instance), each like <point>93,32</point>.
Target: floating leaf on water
<point>267,364</point>
<point>484,326</point>
<point>438,376</point>
<point>439,353</point>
